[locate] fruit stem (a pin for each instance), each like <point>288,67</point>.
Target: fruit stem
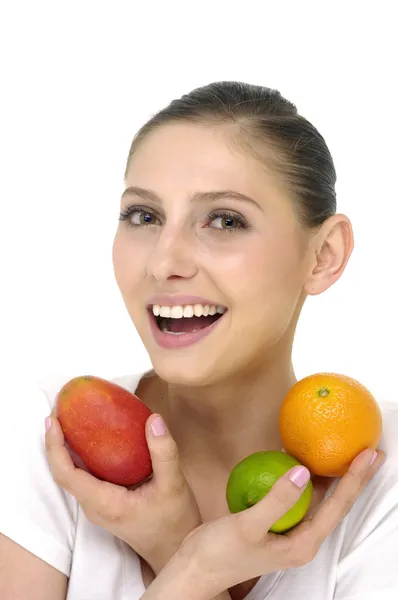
<point>323,392</point>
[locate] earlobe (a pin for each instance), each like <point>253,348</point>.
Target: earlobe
<point>331,250</point>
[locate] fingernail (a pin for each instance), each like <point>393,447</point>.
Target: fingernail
<point>299,476</point>
<point>158,426</point>
<point>373,459</point>
<point>47,423</point>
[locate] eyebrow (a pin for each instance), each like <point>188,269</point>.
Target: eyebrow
<point>210,196</point>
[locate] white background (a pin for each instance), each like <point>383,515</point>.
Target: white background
<point>78,79</point>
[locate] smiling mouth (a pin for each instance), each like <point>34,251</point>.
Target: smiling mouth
<point>183,320</point>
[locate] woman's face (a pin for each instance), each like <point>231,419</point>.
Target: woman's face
<point>207,220</point>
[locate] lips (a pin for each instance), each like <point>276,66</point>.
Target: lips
<point>179,299</point>
<point>173,339</point>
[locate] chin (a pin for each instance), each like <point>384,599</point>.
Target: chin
<point>188,358</point>
<point>184,371</point>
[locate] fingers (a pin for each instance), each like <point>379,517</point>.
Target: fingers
<point>284,494</point>
<point>58,457</point>
<point>301,544</point>
<point>83,486</point>
<point>167,473</point>
<point>339,503</point>
<point>320,488</point>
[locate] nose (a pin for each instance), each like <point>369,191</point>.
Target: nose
<point>173,255</point>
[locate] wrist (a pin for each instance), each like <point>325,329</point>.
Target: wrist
<point>182,577</point>
<point>159,560</point>
<point>161,557</point>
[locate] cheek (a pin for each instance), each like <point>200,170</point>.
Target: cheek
<point>259,272</point>
<point>263,286</point>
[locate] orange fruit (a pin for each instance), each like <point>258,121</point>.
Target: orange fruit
<point>326,420</point>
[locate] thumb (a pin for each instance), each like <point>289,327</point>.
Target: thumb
<point>282,496</point>
<point>167,473</point>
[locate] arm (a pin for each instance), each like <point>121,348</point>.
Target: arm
<point>26,577</point>
<point>36,517</point>
<point>238,547</point>
<point>182,578</point>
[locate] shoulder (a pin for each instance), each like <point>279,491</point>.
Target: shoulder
<point>389,440</point>
<point>25,402</point>
<point>369,542</point>
<point>379,500</point>
<point>386,480</point>
<point>385,483</point>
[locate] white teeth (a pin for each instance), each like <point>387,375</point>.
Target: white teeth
<point>165,311</point>
<point>188,311</point>
<point>165,330</point>
<point>179,311</point>
<point>198,310</point>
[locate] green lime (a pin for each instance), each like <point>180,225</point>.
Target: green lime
<point>253,477</point>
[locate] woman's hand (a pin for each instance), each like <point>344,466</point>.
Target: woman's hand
<point>154,518</point>
<point>238,547</point>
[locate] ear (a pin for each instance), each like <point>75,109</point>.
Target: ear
<point>330,250</point>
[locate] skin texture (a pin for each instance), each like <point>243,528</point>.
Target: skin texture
<point>217,387</point>
<point>220,397</point>
<point>23,575</point>
<point>237,549</point>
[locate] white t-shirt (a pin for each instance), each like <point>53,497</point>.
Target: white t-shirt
<point>357,562</point>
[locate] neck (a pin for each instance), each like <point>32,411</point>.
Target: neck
<point>223,424</point>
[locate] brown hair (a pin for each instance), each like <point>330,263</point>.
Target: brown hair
<point>262,117</point>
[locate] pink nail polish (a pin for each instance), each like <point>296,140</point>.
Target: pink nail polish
<point>47,423</point>
<point>373,459</point>
<point>158,426</point>
<point>299,476</point>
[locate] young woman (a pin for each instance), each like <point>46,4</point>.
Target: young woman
<point>228,223</point>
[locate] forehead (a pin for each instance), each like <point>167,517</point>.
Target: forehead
<point>196,157</point>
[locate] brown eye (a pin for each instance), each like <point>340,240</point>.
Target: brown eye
<point>136,216</point>
<point>227,222</point>
<point>145,218</point>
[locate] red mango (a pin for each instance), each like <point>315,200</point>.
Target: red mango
<point>104,427</point>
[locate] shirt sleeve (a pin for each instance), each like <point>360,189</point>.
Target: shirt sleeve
<point>34,511</point>
<point>367,568</point>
